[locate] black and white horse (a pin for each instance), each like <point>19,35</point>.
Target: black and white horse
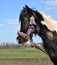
<point>43,25</point>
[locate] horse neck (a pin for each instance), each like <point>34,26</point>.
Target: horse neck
<point>45,33</point>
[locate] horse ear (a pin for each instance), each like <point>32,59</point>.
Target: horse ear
<point>27,8</point>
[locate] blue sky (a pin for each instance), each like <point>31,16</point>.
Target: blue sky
<point>9,16</point>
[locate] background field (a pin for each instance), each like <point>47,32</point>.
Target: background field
<point>23,56</point>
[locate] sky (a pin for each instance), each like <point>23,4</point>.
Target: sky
<point>10,11</point>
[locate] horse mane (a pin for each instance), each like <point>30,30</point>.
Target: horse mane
<point>45,19</point>
<point>49,22</point>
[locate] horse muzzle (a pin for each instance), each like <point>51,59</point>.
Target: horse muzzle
<point>23,37</point>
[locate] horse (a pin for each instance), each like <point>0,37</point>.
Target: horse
<point>42,25</point>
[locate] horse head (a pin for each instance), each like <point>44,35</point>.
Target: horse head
<point>30,23</point>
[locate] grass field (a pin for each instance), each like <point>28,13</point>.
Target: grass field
<point>23,56</point>
<point>21,53</point>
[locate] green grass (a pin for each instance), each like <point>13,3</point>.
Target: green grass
<point>22,53</point>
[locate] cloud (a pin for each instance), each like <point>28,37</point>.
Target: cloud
<point>1,25</point>
<point>13,25</point>
<point>12,21</point>
<point>43,0</point>
<point>13,32</point>
<point>50,4</point>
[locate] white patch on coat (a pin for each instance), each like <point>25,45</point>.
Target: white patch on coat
<point>50,35</point>
<point>32,20</point>
<point>19,26</point>
<point>49,22</point>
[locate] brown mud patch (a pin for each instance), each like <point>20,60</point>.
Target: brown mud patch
<point>25,61</point>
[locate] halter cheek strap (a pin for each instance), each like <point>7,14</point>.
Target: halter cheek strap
<point>30,30</point>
